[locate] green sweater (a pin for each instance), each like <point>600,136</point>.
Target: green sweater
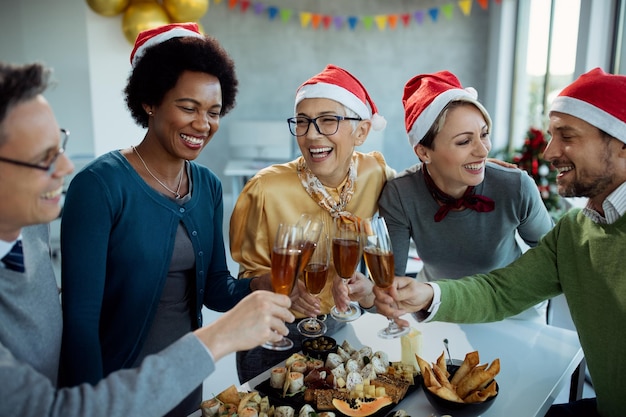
<point>581,259</point>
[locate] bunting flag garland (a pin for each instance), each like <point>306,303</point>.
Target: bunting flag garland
<point>466,6</point>
<point>381,21</point>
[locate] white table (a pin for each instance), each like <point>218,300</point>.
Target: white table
<point>537,360</point>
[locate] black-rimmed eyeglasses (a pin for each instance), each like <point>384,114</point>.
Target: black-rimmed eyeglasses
<point>49,163</point>
<point>325,125</point>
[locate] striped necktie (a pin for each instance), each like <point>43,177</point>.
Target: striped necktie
<point>14,260</point>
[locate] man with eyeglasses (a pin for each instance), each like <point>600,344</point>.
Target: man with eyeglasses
<point>32,168</point>
<point>48,163</point>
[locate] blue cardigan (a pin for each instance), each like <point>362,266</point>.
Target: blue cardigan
<point>117,239</point>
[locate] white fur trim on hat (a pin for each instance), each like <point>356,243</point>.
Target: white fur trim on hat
<point>162,37</point>
<point>591,114</point>
<point>425,120</point>
<point>334,92</point>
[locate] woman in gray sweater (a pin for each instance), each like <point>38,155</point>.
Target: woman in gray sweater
<point>462,212</point>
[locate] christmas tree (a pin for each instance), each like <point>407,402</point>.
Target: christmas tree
<point>530,159</point>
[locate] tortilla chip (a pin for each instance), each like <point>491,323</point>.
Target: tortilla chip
<point>229,396</point>
<point>470,361</point>
<point>482,394</point>
<point>442,377</point>
<point>441,363</point>
<point>446,394</point>
<point>427,373</point>
<point>477,377</point>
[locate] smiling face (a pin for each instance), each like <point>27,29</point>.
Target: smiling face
<point>589,163</point>
<point>189,115</point>
<point>30,196</point>
<point>457,156</point>
<point>329,157</point>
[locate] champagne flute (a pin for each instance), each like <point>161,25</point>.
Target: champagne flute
<point>315,274</point>
<point>285,261</point>
<point>380,263</point>
<point>311,230</point>
<point>346,248</point>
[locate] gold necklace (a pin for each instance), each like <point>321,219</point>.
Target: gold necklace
<point>180,181</point>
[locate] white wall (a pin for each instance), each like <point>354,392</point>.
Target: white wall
<point>54,33</point>
<point>108,54</point>
<point>90,57</point>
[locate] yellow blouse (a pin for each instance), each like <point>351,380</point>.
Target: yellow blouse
<point>275,195</point>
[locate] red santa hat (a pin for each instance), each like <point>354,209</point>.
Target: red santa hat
<point>152,37</point>
<point>597,98</point>
<point>426,95</point>
<point>338,84</point>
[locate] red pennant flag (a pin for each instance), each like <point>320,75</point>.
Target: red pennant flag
<point>406,19</point>
<point>326,21</point>
<point>232,4</point>
<point>244,5</point>
<point>483,3</point>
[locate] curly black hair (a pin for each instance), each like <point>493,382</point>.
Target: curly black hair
<point>160,67</point>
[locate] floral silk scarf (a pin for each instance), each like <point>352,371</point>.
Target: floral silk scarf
<point>318,193</point>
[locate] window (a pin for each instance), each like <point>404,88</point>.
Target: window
<point>545,61</point>
<point>620,45</point>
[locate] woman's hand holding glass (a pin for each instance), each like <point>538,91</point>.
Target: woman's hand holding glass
<point>358,289</point>
<point>380,264</point>
<point>260,317</point>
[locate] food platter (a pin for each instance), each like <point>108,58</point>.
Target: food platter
<point>297,401</point>
<point>352,382</point>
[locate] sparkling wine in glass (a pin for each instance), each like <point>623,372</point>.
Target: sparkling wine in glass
<point>311,230</point>
<point>379,260</point>
<point>346,247</point>
<point>315,274</point>
<point>285,263</point>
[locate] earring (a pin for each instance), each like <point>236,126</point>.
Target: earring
<point>150,113</point>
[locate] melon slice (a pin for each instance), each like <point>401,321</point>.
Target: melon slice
<point>361,407</point>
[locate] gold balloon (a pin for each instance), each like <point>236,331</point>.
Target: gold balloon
<point>186,10</point>
<point>108,7</point>
<point>142,16</point>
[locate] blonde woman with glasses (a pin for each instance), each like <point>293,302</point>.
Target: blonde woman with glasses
<point>331,180</point>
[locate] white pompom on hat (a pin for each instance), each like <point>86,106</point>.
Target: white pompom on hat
<point>426,95</point>
<point>597,98</point>
<point>337,84</point>
<point>160,34</point>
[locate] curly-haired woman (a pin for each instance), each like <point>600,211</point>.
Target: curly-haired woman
<point>142,240</point>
